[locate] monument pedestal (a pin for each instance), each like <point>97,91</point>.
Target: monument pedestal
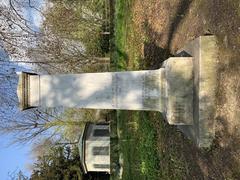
<point>204,51</point>
<point>183,89</point>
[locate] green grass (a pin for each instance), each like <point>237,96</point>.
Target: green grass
<point>147,149</point>
<point>136,142</point>
<point>120,37</point>
<point>137,145</point>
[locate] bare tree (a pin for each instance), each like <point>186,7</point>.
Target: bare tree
<point>44,48</point>
<point>17,175</point>
<point>56,54</point>
<point>63,16</point>
<point>16,32</point>
<point>34,124</point>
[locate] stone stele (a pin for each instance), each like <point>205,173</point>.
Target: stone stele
<point>183,90</point>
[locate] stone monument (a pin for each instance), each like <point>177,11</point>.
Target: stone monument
<point>183,90</point>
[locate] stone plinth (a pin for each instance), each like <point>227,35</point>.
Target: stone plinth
<point>204,51</point>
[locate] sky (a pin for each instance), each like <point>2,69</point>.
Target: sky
<point>14,158</point>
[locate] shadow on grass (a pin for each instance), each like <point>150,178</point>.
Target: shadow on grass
<point>182,9</point>
<point>189,162</point>
<point>154,56</point>
<point>223,158</point>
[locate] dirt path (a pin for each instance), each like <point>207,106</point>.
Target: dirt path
<point>168,25</point>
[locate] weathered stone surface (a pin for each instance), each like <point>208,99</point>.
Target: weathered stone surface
<point>163,90</point>
<point>34,90</point>
<point>204,50</point>
<point>22,90</point>
<point>132,90</point>
<point>76,90</point>
<point>179,79</point>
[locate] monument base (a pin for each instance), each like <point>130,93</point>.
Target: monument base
<point>204,53</point>
<point>179,90</point>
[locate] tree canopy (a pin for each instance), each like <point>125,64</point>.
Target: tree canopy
<point>60,163</point>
